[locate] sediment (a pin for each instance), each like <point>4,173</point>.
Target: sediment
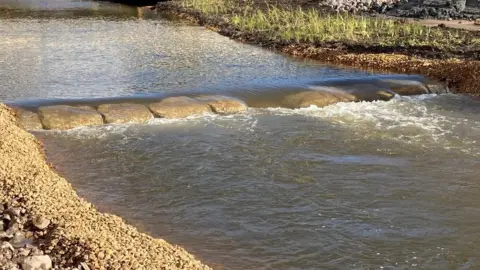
<point>52,221</point>
<point>458,70</point>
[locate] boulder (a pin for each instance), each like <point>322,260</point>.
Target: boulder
<point>318,98</point>
<point>223,104</point>
<point>125,113</point>
<point>179,107</point>
<point>27,119</point>
<point>405,87</point>
<point>66,117</point>
<point>42,262</point>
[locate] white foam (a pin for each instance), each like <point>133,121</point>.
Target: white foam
<point>408,119</point>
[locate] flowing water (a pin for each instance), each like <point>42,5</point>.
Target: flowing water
<point>366,185</point>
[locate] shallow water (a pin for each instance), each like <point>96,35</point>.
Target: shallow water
<point>365,185</point>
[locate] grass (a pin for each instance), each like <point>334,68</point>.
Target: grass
<point>297,24</point>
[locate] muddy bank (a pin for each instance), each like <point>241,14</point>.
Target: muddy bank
<point>457,68</point>
<point>76,232</point>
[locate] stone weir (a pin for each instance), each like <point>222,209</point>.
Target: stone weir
<point>64,117</point>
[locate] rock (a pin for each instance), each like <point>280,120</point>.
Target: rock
<point>10,266</point>
<point>41,222</point>
<point>27,119</point>
<point>477,22</point>
<point>385,95</point>
<point>66,117</point>
<point>319,98</point>
<point>179,107</point>
<point>42,262</point>
<point>125,113</point>
<point>6,245</point>
<point>405,87</point>
<point>24,252</point>
<point>7,217</point>
<point>16,212</point>
<point>19,241</point>
<point>223,104</point>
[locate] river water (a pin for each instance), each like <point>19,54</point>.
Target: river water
<point>367,185</point>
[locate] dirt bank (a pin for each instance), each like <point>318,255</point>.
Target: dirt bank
<point>457,66</point>
<point>76,232</point>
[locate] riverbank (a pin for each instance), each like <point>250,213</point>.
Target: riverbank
<point>378,44</point>
<point>54,223</point>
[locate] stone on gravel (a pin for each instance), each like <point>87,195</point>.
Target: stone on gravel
<point>41,222</point>
<point>42,262</point>
<point>318,98</point>
<point>125,113</point>
<point>6,245</point>
<point>223,104</point>
<point>27,119</point>
<point>179,107</point>
<point>65,117</point>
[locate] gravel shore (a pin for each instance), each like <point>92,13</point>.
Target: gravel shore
<point>45,222</point>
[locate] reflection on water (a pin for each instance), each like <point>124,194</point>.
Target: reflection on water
<point>390,185</point>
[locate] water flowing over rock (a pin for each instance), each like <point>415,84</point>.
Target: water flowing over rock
<point>223,104</point>
<point>66,117</point>
<point>405,88</point>
<point>179,107</point>
<point>27,119</point>
<point>316,97</point>
<point>125,113</point>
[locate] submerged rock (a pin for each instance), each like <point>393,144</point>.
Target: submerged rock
<point>27,119</point>
<point>223,104</point>
<point>319,98</point>
<point>66,117</point>
<point>179,107</point>
<point>125,113</point>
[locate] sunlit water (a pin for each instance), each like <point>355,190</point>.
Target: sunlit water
<point>392,185</point>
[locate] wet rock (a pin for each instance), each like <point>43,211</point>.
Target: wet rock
<point>125,113</point>
<point>385,95</point>
<point>64,117</point>
<point>41,222</point>
<point>179,107</point>
<point>27,119</point>
<point>318,98</point>
<point>223,104</point>
<point>42,262</point>
<point>405,87</point>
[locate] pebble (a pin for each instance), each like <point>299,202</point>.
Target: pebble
<point>42,262</point>
<point>41,222</point>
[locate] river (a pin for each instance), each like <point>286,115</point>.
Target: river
<point>365,185</point>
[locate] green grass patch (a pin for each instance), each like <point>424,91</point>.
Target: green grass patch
<point>297,24</point>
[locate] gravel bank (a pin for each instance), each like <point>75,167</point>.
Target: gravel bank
<point>76,232</point>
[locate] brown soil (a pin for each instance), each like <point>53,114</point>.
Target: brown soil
<point>458,67</point>
<point>78,232</point>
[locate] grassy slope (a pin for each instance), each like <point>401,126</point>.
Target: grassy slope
<point>311,26</point>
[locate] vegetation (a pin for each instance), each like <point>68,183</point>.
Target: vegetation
<point>297,24</point>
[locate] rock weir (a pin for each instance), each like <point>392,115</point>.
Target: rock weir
<point>64,117</point>
<point>67,231</point>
